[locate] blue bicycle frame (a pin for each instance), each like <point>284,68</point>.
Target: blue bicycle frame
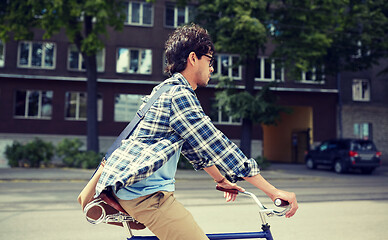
<point>126,219</point>
<point>266,233</point>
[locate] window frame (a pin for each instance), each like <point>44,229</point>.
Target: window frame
<point>218,66</point>
<point>2,56</point>
<point>314,76</point>
<point>219,115</point>
<point>357,93</point>
<point>80,60</point>
<point>77,112</point>
<point>262,78</point>
<point>128,20</point>
<point>28,92</point>
<point>126,118</point>
<point>187,9</point>
<point>129,60</point>
<point>30,50</point>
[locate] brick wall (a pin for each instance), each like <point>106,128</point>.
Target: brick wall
<point>377,116</point>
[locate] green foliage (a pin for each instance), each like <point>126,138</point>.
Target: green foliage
<point>183,163</point>
<point>260,108</point>
<point>20,17</point>
<point>88,159</point>
<point>67,150</point>
<point>263,162</point>
<point>32,154</point>
<point>340,34</point>
<point>38,151</point>
<point>14,153</point>
<point>72,156</point>
<point>236,26</point>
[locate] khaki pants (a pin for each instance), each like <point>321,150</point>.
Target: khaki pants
<point>164,216</point>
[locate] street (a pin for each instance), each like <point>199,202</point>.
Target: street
<point>350,206</point>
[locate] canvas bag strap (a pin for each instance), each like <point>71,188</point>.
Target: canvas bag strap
<point>135,121</point>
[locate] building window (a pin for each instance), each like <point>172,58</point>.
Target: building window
<point>33,104</point>
<point>76,61</point>
<point>2,54</point>
<point>139,13</point>
<point>76,106</point>
<point>362,130</point>
<point>126,106</point>
<point>361,90</point>
<point>227,66</point>
<point>315,75</point>
<point>220,117</point>
<point>176,16</point>
<point>135,61</point>
<point>269,70</point>
<point>36,55</point>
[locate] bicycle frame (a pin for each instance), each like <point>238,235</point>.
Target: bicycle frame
<point>266,233</point>
<point>126,219</point>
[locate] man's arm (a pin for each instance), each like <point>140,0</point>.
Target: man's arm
<point>272,192</point>
<point>257,181</point>
<point>223,182</point>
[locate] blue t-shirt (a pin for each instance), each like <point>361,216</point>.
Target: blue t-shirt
<point>161,180</point>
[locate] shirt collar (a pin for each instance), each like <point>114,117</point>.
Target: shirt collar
<point>178,76</point>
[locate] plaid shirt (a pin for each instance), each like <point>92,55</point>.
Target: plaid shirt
<point>175,120</point>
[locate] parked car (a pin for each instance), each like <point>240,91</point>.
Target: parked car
<point>345,154</point>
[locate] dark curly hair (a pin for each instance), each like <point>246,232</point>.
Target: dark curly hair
<point>183,41</point>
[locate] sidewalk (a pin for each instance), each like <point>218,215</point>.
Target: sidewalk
<point>276,171</point>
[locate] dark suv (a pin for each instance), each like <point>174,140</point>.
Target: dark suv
<point>345,154</point>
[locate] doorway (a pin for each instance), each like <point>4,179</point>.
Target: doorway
<point>287,141</point>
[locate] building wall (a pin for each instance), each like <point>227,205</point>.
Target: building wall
<point>320,97</point>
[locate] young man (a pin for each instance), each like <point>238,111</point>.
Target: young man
<point>141,171</point>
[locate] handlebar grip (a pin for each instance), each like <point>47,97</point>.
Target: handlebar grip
<point>234,191</point>
<point>281,203</point>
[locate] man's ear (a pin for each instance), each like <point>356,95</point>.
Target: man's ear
<point>192,58</point>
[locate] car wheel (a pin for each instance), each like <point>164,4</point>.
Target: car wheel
<point>339,167</point>
<point>367,170</point>
<point>310,163</point>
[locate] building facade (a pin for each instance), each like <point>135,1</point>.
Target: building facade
<point>43,88</point>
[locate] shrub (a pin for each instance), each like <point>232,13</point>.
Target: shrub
<point>67,150</point>
<point>263,162</point>
<point>14,153</point>
<point>183,163</point>
<point>89,159</point>
<point>37,151</point>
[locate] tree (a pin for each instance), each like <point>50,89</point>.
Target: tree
<point>339,35</point>
<point>84,22</point>
<point>239,26</point>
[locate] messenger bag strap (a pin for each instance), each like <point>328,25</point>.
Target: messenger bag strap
<point>135,121</point>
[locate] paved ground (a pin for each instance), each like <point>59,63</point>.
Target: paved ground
<point>39,204</point>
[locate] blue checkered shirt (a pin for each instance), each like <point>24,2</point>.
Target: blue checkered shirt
<point>175,120</point>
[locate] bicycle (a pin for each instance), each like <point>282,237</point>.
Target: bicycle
<point>120,217</point>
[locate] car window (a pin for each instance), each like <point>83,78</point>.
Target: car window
<point>363,146</point>
<point>324,146</point>
<point>332,146</point>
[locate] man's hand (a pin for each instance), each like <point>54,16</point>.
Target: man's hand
<point>228,185</point>
<point>289,197</point>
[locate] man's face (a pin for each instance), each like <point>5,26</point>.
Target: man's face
<point>205,69</point>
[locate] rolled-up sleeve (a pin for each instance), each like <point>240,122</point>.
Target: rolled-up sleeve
<point>204,145</point>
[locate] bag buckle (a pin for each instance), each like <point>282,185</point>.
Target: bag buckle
<point>140,114</point>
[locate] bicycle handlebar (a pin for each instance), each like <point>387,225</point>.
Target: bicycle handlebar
<point>270,212</point>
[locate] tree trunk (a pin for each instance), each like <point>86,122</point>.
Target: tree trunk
<point>92,121</point>
<point>91,73</point>
<point>247,125</point>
